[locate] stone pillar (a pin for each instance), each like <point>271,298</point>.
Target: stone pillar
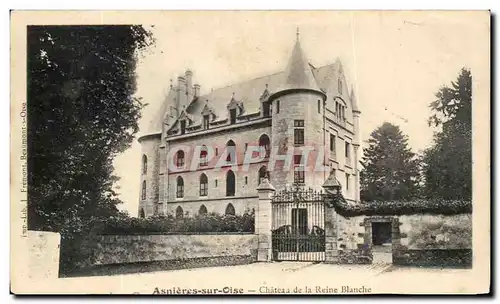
<point>263,220</point>
<point>331,252</point>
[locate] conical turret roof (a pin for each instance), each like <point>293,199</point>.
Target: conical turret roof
<point>298,74</point>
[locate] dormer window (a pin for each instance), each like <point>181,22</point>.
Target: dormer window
<point>183,127</point>
<point>232,114</point>
<point>206,122</point>
<point>267,109</point>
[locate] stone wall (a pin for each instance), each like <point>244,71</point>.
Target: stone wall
<point>43,261</point>
<point>435,240</point>
<point>125,249</point>
<point>418,240</point>
<point>351,245</point>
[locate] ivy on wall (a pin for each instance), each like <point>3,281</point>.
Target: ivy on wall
<point>419,206</point>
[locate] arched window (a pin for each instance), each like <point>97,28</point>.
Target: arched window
<point>144,164</point>
<point>143,193</point>
<point>203,185</point>
<point>179,213</point>
<point>231,151</point>
<point>179,158</point>
<point>141,213</point>
<point>203,210</point>
<point>230,183</point>
<point>263,173</point>
<point>180,187</point>
<point>230,209</point>
<point>266,143</point>
<point>340,86</point>
<point>204,156</point>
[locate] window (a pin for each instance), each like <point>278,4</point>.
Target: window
<point>230,209</point>
<point>266,143</point>
<point>203,210</point>
<point>263,173</point>
<point>347,150</point>
<point>299,173</point>
<point>319,106</point>
<point>179,213</point>
<point>246,180</point>
<point>343,112</point>
<point>332,144</point>
<point>347,181</point>
<point>340,86</point>
<point>203,185</point>
<point>206,122</point>
<point>141,213</point>
<point>266,108</point>
<point>232,114</point>
<point>180,187</point>
<point>215,183</point>
<point>231,152</point>
<point>230,183</point>
<point>246,146</point>
<point>183,126</point>
<point>277,106</point>
<point>216,151</point>
<point>144,164</point>
<point>298,132</point>
<point>203,156</point>
<point>179,159</point>
<point>143,193</point>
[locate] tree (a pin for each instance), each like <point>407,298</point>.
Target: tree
<point>81,114</point>
<point>448,163</point>
<point>390,168</point>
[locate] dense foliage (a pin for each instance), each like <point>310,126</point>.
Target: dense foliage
<point>207,223</point>
<point>448,163</point>
<point>390,168</point>
<point>81,113</point>
<point>417,206</point>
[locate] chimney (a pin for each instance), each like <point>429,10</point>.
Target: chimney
<point>181,99</point>
<point>189,84</point>
<point>196,90</point>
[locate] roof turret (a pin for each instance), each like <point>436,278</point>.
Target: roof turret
<point>298,74</point>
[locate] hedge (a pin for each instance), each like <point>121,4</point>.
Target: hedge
<point>418,206</point>
<point>209,223</point>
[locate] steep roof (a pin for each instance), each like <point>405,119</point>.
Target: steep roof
<point>249,92</point>
<point>298,74</point>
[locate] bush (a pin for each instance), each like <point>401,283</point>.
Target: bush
<point>209,223</point>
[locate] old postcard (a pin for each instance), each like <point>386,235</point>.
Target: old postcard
<point>250,152</point>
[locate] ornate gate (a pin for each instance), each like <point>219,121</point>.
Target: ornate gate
<point>298,225</point>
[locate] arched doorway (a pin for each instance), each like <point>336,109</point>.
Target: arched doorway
<point>179,213</point>
<point>230,209</point>
<point>203,210</point>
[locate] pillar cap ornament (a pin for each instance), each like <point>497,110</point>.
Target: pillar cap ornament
<point>265,185</point>
<point>332,185</point>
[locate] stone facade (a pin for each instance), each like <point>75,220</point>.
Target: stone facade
<point>316,100</point>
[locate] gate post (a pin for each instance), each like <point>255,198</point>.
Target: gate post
<point>263,220</point>
<point>333,191</point>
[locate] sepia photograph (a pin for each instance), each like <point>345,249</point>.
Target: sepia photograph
<point>250,152</point>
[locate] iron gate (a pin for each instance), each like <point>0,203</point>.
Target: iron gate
<point>298,225</point>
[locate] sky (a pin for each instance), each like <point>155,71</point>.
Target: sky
<point>396,62</point>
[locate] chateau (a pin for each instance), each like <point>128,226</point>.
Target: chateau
<point>282,113</point>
